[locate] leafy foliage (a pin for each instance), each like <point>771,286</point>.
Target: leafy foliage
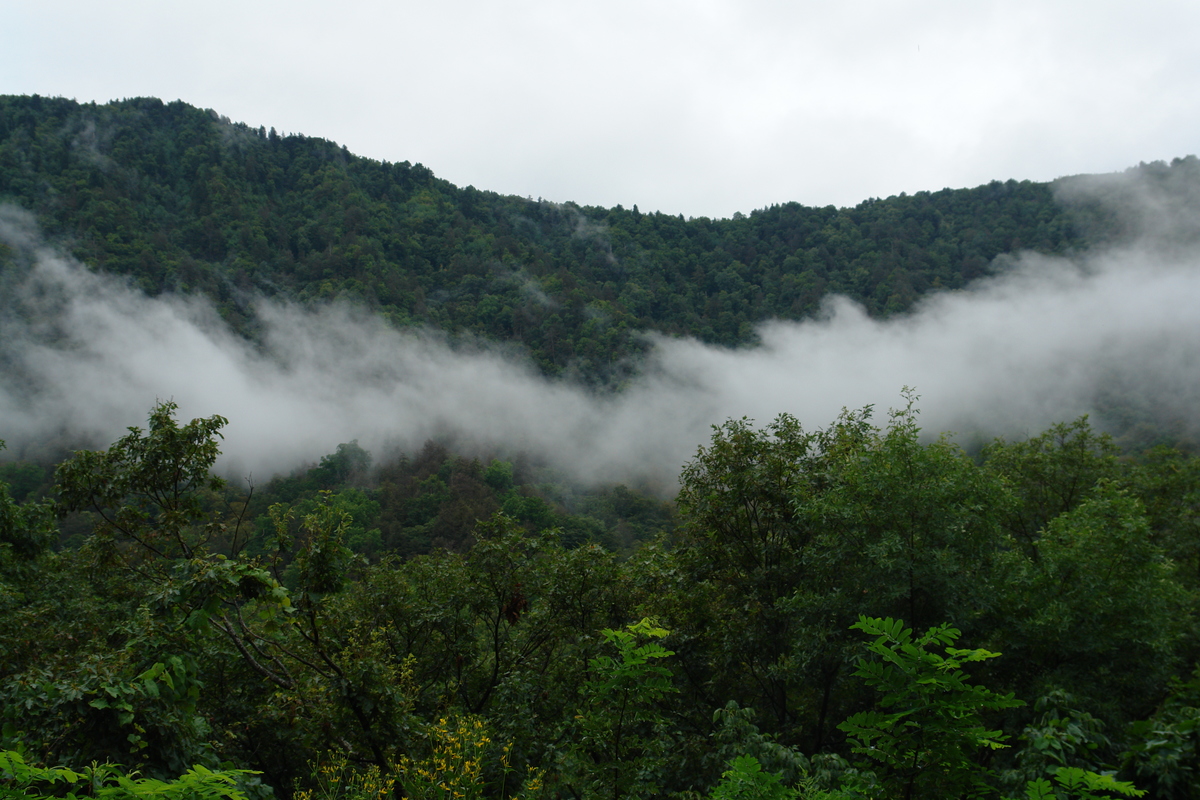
<point>102,781</point>
<point>145,489</point>
<point>1072,782</point>
<point>622,740</point>
<point>929,725</point>
<point>1164,749</point>
<point>27,531</point>
<point>340,615</point>
<point>746,780</point>
<point>186,637</point>
<point>791,535</point>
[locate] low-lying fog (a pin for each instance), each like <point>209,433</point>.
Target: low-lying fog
<point>85,356</point>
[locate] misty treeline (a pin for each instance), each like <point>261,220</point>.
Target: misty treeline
<point>432,499</point>
<point>182,200</point>
<point>847,611</point>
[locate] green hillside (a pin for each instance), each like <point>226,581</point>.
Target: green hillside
<point>181,199</point>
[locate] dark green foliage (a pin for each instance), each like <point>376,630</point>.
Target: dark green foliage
<point>434,500</point>
<point>620,739</point>
<point>1165,749</point>
<point>348,464</point>
<point>499,476</point>
<point>26,530</point>
<point>121,682</point>
<point>746,780</point>
<point>145,489</point>
<point>791,535</point>
<point>180,199</point>
<point>929,727</point>
<point>1167,482</point>
<point>340,613</point>
<point>25,479</point>
<point>179,639</point>
<point>1094,606</point>
<point>736,737</point>
<point>1051,473</point>
<point>1061,736</point>
<point>1072,783</point>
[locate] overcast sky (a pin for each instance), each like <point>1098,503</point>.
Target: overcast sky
<point>704,107</point>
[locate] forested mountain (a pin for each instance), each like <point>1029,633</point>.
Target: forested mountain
<point>852,611</point>
<point>181,199</point>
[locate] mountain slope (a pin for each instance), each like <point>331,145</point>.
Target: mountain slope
<point>181,199</point>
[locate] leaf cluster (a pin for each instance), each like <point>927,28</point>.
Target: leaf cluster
<point>930,722</point>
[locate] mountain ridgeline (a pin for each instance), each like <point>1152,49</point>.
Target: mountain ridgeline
<point>181,199</point>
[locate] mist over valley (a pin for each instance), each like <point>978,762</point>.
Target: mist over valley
<point>1104,327</point>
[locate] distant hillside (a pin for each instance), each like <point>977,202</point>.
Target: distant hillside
<point>181,199</point>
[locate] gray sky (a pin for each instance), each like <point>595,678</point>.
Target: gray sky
<point>704,107</point>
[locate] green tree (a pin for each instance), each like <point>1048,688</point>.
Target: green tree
<point>1164,752</point>
<point>746,546</point>
<point>146,491</point>
<point>1091,606</point>
<point>746,780</point>
<point>1167,481</point>
<point>788,536</point>
<point>1072,783</point>
<point>27,530</point>
<point>1050,474</point>
<point>621,742</point>
<point>928,732</point>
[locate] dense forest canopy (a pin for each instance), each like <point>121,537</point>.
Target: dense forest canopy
<point>854,610</point>
<point>194,626</point>
<point>181,199</point>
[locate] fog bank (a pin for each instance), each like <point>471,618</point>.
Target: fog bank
<point>83,356</point>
